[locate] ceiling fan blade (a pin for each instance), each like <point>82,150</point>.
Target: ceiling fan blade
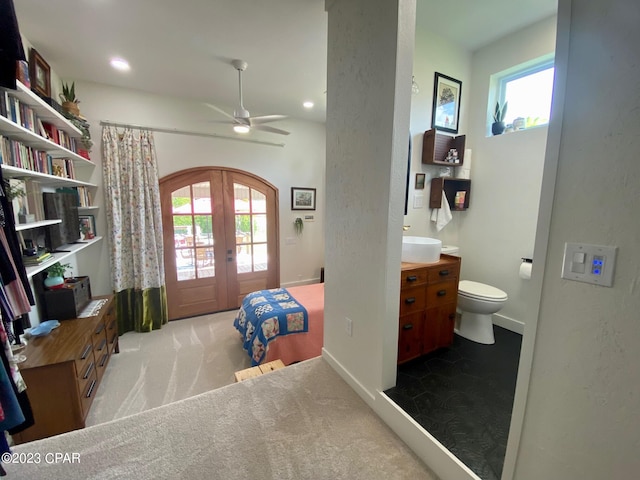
<point>266,118</point>
<point>219,110</point>
<point>266,128</point>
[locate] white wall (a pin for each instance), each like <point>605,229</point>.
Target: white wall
<point>499,227</point>
<point>581,417</point>
<point>299,163</point>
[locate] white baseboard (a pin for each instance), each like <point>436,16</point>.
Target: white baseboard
<point>509,323</point>
<point>308,281</point>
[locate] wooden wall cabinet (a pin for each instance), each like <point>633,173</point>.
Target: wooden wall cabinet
<point>428,299</point>
<point>63,371</point>
<point>436,145</point>
<point>449,186</point>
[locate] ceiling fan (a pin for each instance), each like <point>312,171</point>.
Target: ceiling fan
<point>242,121</point>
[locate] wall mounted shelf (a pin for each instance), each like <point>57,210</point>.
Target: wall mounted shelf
<point>449,186</point>
<point>436,146</point>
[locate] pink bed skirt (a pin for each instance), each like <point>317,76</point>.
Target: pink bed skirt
<point>302,346</point>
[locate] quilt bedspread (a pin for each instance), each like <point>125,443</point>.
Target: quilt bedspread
<point>265,315</point>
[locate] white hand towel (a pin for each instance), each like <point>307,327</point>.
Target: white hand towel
<point>441,216</point>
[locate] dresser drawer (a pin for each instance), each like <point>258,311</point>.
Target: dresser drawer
<point>441,293</point>
<point>412,300</point>
<point>443,273</point>
<point>85,357</point>
<point>411,278</point>
<point>87,388</point>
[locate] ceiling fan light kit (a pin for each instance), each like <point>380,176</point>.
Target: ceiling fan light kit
<point>241,119</point>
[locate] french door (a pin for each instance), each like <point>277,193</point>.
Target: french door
<point>220,231</point>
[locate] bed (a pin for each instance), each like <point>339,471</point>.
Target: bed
<point>283,323</point>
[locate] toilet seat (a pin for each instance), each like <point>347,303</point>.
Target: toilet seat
<point>481,291</point>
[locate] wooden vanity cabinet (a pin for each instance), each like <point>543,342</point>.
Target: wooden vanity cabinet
<point>428,298</point>
<point>63,371</point>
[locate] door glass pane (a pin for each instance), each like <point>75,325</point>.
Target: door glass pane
<point>185,266</point>
<point>241,198</point>
<point>258,202</point>
<point>181,200</point>
<point>204,262</point>
<point>243,258</point>
<point>202,198</point>
<point>243,229</point>
<point>260,257</point>
<point>204,229</point>
<point>259,228</point>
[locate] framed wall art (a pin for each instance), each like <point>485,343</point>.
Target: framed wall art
<point>39,74</point>
<point>445,112</point>
<point>87,227</point>
<point>303,198</point>
<point>419,181</point>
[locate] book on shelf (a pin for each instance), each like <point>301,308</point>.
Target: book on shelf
<point>37,259</point>
<point>16,154</point>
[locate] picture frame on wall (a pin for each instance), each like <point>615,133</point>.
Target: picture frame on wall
<point>303,198</point>
<point>39,74</point>
<point>419,181</point>
<point>445,112</point>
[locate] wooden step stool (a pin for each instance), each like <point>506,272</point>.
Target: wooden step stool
<point>259,370</point>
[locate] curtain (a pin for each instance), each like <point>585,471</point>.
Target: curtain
<point>132,197</point>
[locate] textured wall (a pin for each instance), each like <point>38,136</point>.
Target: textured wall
<point>581,419</point>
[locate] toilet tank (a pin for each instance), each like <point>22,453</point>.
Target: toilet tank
<point>450,250</point>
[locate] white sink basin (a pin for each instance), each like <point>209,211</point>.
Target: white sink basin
<point>421,249</point>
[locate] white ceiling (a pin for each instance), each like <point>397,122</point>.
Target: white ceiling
<point>184,48</point>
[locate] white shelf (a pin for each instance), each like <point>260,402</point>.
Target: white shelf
<point>44,111</point>
<point>41,223</point>
<point>47,180</point>
<point>32,139</point>
<point>60,255</point>
<point>91,208</point>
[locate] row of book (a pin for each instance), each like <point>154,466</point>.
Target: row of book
<point>22,114</point>
<point>17,154</point>
<point>84,197</point>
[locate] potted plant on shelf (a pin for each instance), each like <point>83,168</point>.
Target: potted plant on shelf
<point>55,275</point>
<point>69,100</point>
<point>498,126</point>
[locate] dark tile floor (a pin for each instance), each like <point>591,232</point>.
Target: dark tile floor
<point>463,396</point>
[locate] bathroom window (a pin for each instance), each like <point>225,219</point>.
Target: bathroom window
<point>528,89</point>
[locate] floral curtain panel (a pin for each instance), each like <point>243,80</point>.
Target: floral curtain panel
<point>132,195</point>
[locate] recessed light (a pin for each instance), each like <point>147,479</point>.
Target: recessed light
<point>120,64</point>
<point>308,104</point>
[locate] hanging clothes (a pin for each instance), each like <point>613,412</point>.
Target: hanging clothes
<point>11,49</point>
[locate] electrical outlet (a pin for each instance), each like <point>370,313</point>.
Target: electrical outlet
<point>348,325</point>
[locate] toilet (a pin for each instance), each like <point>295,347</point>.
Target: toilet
<point>477,302</point>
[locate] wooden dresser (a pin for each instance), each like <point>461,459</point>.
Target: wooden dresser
<point>428,298</point>
<point>63,371</point>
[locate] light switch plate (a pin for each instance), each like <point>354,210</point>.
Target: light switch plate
<point>589,263</point>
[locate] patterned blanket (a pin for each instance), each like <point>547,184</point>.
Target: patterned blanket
<point>266,314</point>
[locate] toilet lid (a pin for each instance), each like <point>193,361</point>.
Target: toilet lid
<point>480,290</point>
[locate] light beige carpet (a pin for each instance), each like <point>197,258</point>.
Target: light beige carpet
<point>300,422</point>
<point>182,359</point>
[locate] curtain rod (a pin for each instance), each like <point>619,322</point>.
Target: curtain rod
<point>187,132</point>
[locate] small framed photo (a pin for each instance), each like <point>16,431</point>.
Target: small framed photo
<point>87,227</point>
<point>419,181</point>
<point>39,74</point>
<point>303,198</point>
<point>445,112</point>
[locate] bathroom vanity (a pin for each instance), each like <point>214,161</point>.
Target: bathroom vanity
<point>428,298</point>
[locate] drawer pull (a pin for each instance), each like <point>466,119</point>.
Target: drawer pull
<point>112,325</point>
<point>88,371</point>
<point>441,293</point>
<point>90,391</point>
<point>412,278</point>
<point>113,339</point>
<point>444,273</point>
<point>408,326</point>
<point>410,300</point>
<point>86,352</point>
<point>102,344</point>
<point>99,329</point>
<point>104,359</point>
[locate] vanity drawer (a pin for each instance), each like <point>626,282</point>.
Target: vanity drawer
<point>411,278</point>
<point>445,272</point>
<point>441,293</point>
<point>412,300</point>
